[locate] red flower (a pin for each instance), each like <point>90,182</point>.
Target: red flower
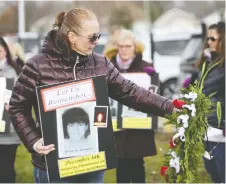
<point>171,143</point>
<point>178,103</point>
<point>163,170</point>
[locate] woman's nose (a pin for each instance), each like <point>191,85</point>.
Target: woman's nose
<point>209,42</point>
<point>76,128</point>
<point>123,49</point>
<point>96,42</point>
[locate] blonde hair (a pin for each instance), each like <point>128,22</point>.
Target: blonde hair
<point>73,20</point>
<point>127,34</point>
<point>17,50</point>
<point>116,28</point>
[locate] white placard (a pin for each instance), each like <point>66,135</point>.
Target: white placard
<point>68,94</point>
<point>142,80</point>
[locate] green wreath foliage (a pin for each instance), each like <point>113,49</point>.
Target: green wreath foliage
<point>191,151</point>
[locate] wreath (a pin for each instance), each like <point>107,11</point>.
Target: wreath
<point>181,161</point>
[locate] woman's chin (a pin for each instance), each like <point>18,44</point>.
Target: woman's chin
<point>75,140</point>
<point>88,52</point>
<point>212,49</point>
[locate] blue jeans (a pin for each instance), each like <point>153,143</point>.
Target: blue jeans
<point>216,166</point>
<point>40,176</point>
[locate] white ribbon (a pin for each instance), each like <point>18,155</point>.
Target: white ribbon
<point>173,153</point>
<point>192,96</point>
<point>184,119</point>
<point>180,134</point>
<point>175,162</point>
<point>191,108</point>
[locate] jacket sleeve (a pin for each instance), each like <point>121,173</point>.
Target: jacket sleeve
<point>20,106</point>
<point>131,95</point>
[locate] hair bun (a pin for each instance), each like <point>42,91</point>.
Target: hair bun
<point>59,19</point>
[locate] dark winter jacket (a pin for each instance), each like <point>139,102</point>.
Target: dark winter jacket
<point>214,82</point>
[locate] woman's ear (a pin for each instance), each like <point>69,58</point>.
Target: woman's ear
<point>71,37</point>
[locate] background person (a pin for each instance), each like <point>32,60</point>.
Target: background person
<point>113,37</point>
<point>8,141</point>
<point>17,53</point>
<point>215,83</point>
<point>131,145</point>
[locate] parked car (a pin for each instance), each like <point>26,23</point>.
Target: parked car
<point>190,56</point>
<point>169,45</point>
<point>168,48</point>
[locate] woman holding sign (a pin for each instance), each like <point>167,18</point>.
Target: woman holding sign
<point>9,141</point>
<point>67,54</point>
<point>131,145</point>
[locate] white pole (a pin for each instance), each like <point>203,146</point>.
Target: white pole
<point>147,15</point>
<point>147,10</point>
<point>21,17</point>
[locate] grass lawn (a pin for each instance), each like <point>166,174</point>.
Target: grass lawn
<point>24,168</point>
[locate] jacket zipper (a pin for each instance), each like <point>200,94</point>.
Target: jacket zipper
<point>74,72</point>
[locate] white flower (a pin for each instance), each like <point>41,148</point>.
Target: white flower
<point>191,108</point>
<point>180,134</point>
<point>192,96</point>
<point>173,153</point>
<point>184,119</point>
<point>175,162</point>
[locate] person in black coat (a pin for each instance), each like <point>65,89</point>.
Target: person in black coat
<point>131,145</point>
<point>212,64</point>
<point>214,58</point>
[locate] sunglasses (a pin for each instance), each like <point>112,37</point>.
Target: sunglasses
<point>93,38</point>
<point>211,38</point>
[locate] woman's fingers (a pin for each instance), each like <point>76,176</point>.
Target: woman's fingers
<point>44,150</point>
<point>176,110</point>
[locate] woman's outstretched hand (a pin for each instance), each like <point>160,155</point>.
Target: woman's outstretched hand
<point>43,150</point>
<point>178,105</point>
<point>176,110</point>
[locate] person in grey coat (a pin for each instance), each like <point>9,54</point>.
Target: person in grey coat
<point>9,142</point>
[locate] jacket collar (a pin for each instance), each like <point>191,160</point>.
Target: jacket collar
<point>55,45</point>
